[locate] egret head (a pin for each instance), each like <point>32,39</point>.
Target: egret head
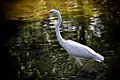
<point>53,11</point>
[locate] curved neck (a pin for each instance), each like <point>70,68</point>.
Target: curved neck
<point>59,37</point>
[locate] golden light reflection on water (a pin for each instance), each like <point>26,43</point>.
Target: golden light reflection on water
<point>30,9</point>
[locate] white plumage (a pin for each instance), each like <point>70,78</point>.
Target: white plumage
<point>75,49</point>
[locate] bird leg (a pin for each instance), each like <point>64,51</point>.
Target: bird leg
<point>79,61</point>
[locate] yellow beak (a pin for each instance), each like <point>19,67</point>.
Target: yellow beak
<point>45,13</point>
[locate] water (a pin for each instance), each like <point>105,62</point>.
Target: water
<point>41,55</point>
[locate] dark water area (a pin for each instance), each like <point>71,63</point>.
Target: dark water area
<point>31,50</point>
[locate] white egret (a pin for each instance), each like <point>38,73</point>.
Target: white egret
<point>75,49</point>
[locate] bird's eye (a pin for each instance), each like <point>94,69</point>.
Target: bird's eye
<point>51,11</point>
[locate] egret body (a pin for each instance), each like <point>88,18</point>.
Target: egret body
<point>75,49</point>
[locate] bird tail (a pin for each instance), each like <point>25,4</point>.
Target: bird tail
<point>99,58</point>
